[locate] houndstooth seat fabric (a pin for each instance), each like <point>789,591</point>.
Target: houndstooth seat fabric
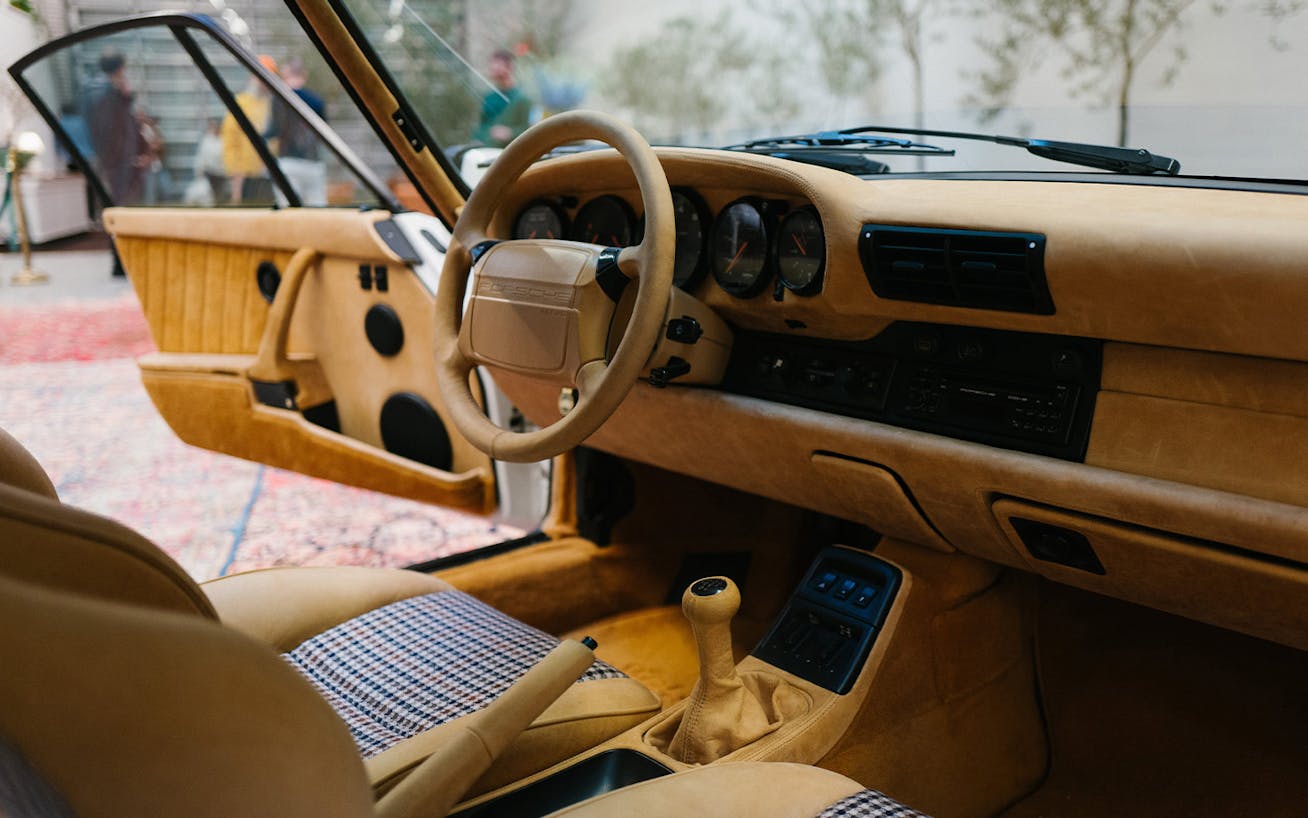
<point>869,804</point>
<point>407,667</point>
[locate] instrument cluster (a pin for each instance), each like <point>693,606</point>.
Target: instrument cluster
<point>751,244</point>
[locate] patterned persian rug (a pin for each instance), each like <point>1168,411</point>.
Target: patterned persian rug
<point>70,392</point>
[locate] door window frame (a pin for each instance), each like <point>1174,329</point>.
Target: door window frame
<point>181,26</point>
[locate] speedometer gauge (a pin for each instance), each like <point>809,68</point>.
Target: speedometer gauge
<point>801,251</point>
<point>605,220</point>
<point>540,220</point>
<point>739,248</point>
<point>692,218</point>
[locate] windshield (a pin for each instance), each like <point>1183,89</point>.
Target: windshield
<point>1217,87</point>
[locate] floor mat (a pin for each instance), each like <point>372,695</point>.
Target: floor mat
<point>1155,715</point>
<point>79,406</point>
<point>74,331</point>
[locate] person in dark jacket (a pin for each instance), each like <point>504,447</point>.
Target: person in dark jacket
<point>115,132</point>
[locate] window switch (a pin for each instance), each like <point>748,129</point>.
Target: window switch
<point>865,597</point>
<point>846,588</point>
<point>824,582</point>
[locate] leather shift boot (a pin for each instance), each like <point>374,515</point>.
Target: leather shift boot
<point>723,715</point>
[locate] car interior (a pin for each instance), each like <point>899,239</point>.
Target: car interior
<point>958,497</point>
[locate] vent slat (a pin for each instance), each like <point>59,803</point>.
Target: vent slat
<point>966,268</point>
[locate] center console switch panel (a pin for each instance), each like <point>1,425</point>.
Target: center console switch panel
<point>1023,391</point>
<point>827,630</point>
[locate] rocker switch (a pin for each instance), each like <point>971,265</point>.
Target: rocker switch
<point>846,588</point>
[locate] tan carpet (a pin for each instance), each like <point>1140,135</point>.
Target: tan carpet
<point>1153,715</point>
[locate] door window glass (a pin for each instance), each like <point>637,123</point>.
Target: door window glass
<point>155,132</point>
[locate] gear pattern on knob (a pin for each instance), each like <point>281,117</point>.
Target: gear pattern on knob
<point>709,587</point>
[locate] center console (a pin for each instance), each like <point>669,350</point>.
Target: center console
<point>1022,391</point>
<point>809,675</point>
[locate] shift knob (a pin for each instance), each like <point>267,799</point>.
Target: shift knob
<point>709,604</point>
<point>711,601</point>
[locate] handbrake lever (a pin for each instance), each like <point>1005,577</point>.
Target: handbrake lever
<point>438,783</point>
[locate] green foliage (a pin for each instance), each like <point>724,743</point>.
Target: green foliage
<point>24,6</point>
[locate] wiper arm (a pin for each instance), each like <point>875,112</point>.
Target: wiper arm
<point>1137,161</point>
<point>853,138</point>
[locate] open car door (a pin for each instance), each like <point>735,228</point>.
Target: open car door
<point>289,332</point>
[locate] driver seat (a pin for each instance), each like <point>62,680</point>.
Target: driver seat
<point>402,657</point>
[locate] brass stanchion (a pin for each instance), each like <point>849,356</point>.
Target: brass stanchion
<point>26,147</point>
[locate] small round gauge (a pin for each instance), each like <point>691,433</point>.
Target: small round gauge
<point>605,220</point>
<point>739,248</point>
<point>692,218</point>
<point>801,251</point>
<point>540,220</point>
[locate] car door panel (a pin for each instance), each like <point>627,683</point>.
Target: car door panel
<point>195,274</point>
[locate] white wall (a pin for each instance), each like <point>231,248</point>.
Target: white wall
<point>18,35</point>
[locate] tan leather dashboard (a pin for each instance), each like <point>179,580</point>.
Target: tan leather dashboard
<point>1194,489</point>
<point>1216,270</point>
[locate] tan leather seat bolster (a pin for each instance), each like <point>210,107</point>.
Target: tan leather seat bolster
<point>283,607</point>
<point>46,542</point>
<point>774,789</point>
<point>20,469</point>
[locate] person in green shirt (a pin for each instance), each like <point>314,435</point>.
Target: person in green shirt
<point>505,110</point>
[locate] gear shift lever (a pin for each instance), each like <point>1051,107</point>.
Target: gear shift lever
<point>710,605</point>
<point>725,711</point>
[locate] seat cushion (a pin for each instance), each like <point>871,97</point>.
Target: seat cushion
<point>869,804</point>
<point>299,611</point>
<point>412,665</point>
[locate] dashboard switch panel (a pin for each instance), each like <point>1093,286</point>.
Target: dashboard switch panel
<point>1022,391</point>
<point>826,631</point>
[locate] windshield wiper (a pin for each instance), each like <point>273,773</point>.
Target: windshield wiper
<point>851,138</point>
<point>1137,161</point>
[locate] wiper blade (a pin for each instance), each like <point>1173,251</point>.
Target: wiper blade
<point>853,138</point>
<point>1136,161</point>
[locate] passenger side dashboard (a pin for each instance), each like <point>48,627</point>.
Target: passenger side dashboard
<point>1179,462</point>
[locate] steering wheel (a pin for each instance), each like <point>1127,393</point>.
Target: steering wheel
<point>543,307</point>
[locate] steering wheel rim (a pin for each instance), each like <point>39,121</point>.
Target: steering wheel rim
<point>601,384</point>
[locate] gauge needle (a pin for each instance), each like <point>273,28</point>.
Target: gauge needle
<point>799,244</point>
<point>736,257</point>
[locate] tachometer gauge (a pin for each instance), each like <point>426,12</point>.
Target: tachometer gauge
<point>692,218</point>
<point>540,220</point>
<point>605,220</point>
<point>801,251</point>
<point>739,248</point>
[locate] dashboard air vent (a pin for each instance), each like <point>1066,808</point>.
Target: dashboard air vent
<point>959,268</point>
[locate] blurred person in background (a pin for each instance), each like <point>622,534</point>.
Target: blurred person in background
<point>294,143</point>
<point>210,182</point>
<point>505,110</point>
<point>245,169</point>
<point>121,152</point>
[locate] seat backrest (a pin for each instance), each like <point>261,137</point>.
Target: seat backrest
<point>122,710</point>
<point>58,546</point>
